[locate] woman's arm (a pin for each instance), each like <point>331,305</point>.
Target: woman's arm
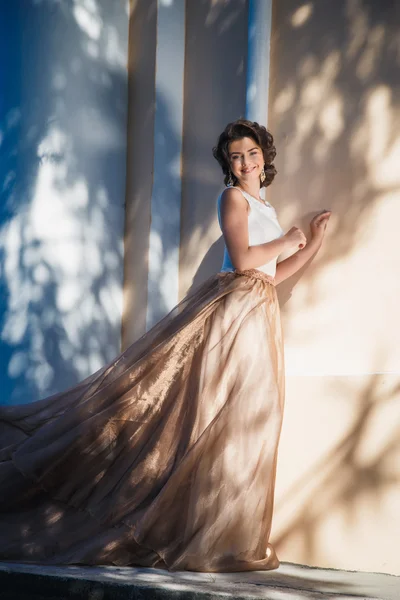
<point>288,267</point>
<point>291,265</point>
<point>234,224</point>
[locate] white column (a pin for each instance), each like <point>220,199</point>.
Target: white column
<point>258,57</point>
<point>163,277</point>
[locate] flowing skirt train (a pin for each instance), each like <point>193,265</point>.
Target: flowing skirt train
<point>164,458</point>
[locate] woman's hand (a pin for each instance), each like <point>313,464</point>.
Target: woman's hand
<point>318,225</point>
<point>295,238</point>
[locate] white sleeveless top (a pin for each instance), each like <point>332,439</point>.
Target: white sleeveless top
<point>263,227</point>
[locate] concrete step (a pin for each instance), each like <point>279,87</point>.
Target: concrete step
<point>289,582</point>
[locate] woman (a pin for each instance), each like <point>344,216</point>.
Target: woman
<point>166,457</point>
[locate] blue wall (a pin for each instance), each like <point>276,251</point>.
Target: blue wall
<point>63,105</point>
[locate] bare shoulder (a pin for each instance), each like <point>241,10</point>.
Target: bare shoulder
<point>232,198</point>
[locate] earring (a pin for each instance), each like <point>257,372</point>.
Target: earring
<point>230,180</point>
<point>262,175</point>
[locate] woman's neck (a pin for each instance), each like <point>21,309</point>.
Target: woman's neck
<point>253,191</point>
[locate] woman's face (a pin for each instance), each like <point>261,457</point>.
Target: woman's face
<point>246,159</point>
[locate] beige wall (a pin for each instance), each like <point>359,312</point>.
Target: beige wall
<point>334,111</point>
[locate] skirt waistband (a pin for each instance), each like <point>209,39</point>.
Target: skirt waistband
<point>254,274</point>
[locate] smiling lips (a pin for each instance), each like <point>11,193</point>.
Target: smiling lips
<point>248,170</point>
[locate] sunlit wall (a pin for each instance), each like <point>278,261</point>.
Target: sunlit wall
<point>62,183</point>
<point>334,111</point>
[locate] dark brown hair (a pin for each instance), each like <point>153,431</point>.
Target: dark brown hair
<point>238,130</point>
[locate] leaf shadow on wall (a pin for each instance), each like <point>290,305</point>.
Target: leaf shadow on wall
<point>63,131</point>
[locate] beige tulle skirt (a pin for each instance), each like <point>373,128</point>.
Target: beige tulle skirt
<point>165,457</point>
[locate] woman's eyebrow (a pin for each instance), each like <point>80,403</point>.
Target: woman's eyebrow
<point>255,148</point>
